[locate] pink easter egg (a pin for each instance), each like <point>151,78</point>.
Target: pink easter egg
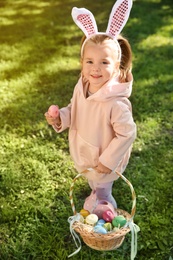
<point>53,111</point>
<point>108,216</point>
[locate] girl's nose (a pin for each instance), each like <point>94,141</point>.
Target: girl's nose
<point>96,67</point>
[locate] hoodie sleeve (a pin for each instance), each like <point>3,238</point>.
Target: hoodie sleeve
<point>125,134</point>
<point>65,115</point>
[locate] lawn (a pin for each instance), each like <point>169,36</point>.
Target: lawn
<point>39,66</point>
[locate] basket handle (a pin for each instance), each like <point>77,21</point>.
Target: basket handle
<point>133,210</point>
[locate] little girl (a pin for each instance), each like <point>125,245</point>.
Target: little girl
<point>99,116</point>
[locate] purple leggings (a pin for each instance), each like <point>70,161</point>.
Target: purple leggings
<point>103,191</point>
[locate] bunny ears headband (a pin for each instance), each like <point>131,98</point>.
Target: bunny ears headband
<point>117,20</point>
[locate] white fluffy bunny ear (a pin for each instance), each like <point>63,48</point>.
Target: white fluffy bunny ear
<point>118,17</point>
<point>84,20</point>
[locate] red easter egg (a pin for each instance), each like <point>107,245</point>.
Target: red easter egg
<point>108,216</point>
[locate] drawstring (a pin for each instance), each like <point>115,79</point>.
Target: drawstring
<point>76,238</point>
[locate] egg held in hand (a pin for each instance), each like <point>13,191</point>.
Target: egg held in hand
<point>53,111</point>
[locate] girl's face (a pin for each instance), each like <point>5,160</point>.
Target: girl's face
<point>99,63</point>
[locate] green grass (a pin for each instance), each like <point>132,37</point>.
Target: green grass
<point>39,66</point>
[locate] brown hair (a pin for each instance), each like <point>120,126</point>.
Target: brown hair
<point>126,53</point>
<point>126,58</point>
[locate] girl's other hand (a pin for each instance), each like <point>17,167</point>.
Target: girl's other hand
<point>100,168</point>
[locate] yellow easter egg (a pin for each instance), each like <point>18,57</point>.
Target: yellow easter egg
<point>84,213</point>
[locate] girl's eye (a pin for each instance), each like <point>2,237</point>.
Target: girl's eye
<point>89,62</point>
<point>106,62</point>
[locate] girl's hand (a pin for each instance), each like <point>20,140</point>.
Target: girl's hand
<point>51,120</point>
<point>52,115</point>
<point>100,168</point>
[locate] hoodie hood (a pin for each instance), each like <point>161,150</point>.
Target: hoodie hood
<point>110,90</point>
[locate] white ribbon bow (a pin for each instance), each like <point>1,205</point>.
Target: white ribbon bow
<point>76,238</point>
<point>134,230</point>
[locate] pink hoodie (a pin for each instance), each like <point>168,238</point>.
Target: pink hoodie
<point>101,127</point>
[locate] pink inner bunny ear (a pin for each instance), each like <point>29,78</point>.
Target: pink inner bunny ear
<point>118,17</point>
<point>84,20</point>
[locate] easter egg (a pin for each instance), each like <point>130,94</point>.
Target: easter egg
<point>101,222</point>
<point>119,221</point>
<point>100,229</point>
<point>108,216</point>
<point>91,219</point>
<point>102,206</point>
<point>53,111</point>
<point>84,213</point>
<point>108,226</point>
<point>115,229</point>
<point>81,219</point>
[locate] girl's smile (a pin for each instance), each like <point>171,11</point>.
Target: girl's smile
<point>96,76</point>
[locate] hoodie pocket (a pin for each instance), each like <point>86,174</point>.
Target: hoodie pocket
<point>83,153</point>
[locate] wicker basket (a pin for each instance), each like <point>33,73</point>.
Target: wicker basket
<point>104,242</point>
